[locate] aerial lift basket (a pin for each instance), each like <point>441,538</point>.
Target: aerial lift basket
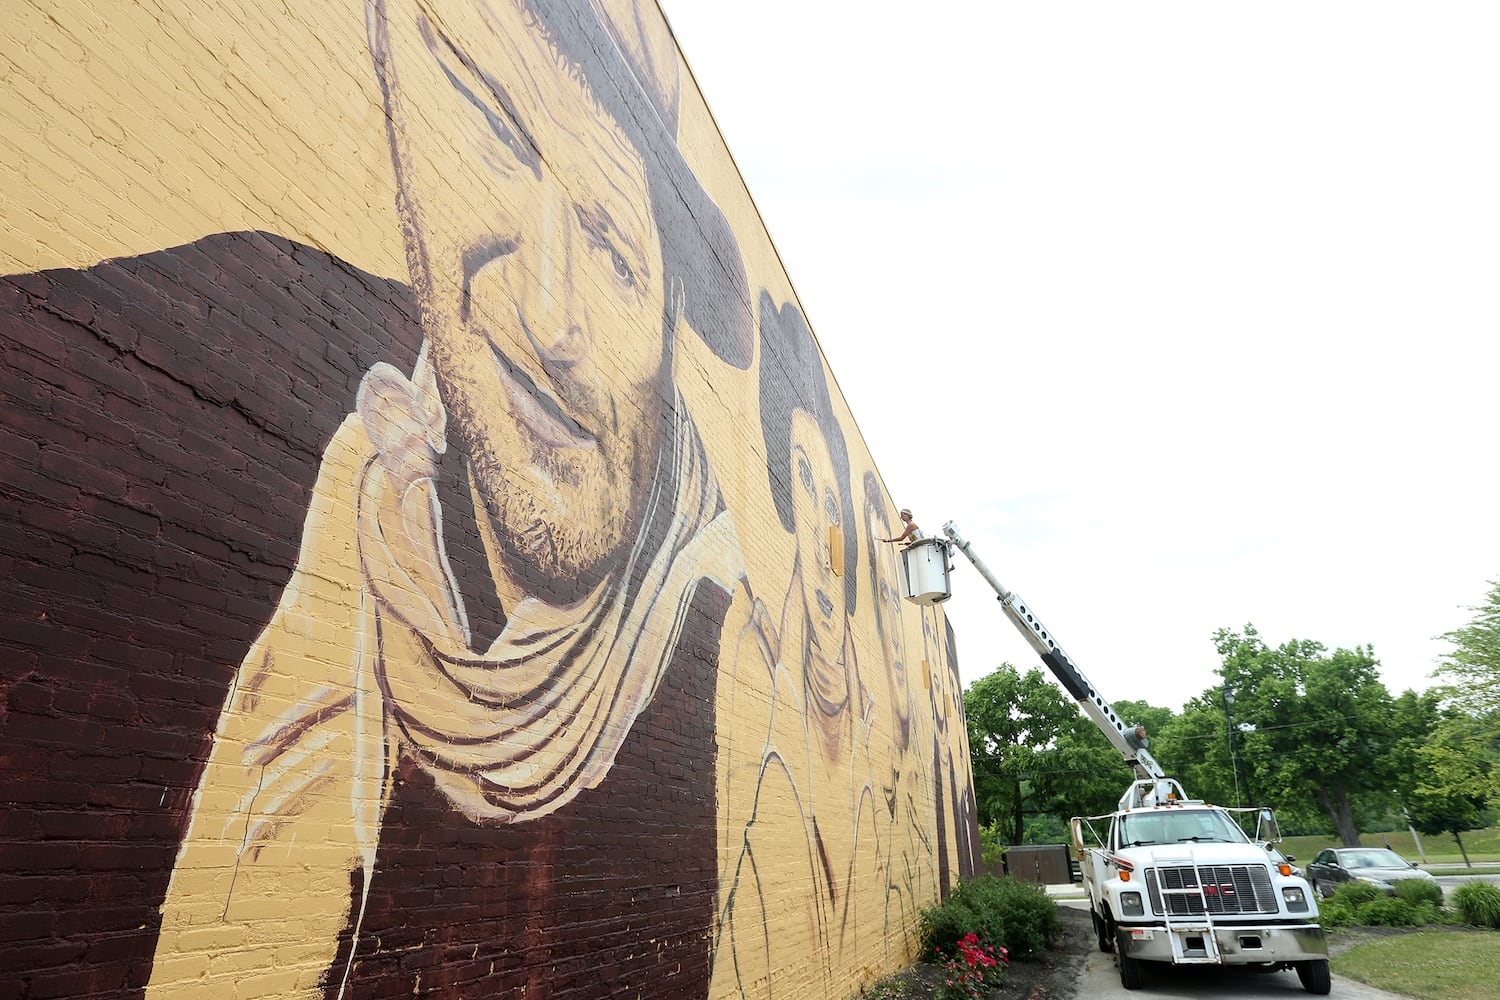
<point>924,571</point>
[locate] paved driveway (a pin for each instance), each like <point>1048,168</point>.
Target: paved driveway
<point>1100,980</point>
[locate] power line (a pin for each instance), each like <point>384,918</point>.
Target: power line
<point>1276,757</point>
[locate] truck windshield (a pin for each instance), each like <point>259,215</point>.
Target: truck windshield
<point>1179,826</point>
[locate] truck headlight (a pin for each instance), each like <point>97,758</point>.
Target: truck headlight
<point>1130,905</point>
<point>1294,898</point>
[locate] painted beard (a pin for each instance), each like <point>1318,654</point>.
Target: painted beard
<point>563,478</point>
<point>556,549</point>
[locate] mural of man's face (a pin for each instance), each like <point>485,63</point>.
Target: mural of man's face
<point>888,618</point>
<point>816,508</point>
<point>538,269</point>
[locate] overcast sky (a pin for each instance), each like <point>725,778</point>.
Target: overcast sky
<point>1185,313</point>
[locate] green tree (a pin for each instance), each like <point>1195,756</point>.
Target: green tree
<point>1472,671</point>
<point>1414,718</point>
<point>1193,748</point>
<point>1311,725</point>
<point>1456,768</point>
<point>1456,771</point>
<point>1013,718</point>
<point>1083,775</point>
<point>1035,751</point>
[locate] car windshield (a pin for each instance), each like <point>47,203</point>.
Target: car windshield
<point>1376,858</point>
<point>1179,826</point>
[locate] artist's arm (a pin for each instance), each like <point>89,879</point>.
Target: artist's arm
<point>911,529</point>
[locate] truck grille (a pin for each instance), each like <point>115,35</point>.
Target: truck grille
<point>1227,889</point>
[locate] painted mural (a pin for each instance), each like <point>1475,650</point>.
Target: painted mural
<point>435,560</point>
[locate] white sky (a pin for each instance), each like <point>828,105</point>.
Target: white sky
<point>1185,313</point>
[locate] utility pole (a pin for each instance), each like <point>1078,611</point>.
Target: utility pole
<point>1227,695</point>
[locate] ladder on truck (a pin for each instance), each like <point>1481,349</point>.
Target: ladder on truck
<point>1184,927</point>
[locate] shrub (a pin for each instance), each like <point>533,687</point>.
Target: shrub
<point>1358,904</point>
<point>1000,912</point>
<point>1478,903</point>
<point>1333,913</point>
<point>949,922</point>
<point>1429,912</point>
<point>1418,890</point>
<point>1355,894</point>
<point>1028,913</point>
<point>1388,911</point>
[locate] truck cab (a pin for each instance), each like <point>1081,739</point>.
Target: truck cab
<point>1179,881</point>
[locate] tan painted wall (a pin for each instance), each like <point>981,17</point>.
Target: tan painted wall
<point>437,558</point>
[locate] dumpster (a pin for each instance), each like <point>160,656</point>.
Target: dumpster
<point>1044,864</point>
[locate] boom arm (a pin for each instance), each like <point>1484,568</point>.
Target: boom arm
<point>1067,674</point>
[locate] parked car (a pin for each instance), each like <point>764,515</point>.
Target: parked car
<point>1377,866</point>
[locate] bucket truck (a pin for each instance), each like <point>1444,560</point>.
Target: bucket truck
<point>1173,879</point>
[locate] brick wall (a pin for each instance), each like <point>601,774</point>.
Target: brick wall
<point>435,556</point>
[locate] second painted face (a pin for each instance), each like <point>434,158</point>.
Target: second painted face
<point>816,508</point>
<point>892,634</point>
<point>538,271</point>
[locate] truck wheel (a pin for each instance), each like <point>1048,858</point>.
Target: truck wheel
<point>1314,976</point>
<point>1132,974</point>
<point>1103,932</point>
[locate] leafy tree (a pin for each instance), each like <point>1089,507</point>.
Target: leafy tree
<point>1046,828</point>
<point>1456,768</point>
<point>1193,747</point>
<point>1414,716</point>
<point>1474,665</point>
<point>1012,718</point>
<point>1473,673</point>
<point>1312,725</point>
<point>1084,774</point>
<point>1033,746</point>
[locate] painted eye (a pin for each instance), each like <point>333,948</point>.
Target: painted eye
<point>831,507</point>
<point>622,266</point>
<point>601,236</point>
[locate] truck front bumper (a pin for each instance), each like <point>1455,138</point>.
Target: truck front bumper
<point>1237,945</point>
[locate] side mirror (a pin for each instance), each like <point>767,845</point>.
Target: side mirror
<point>1266,827</point>
<point>1290,857</point>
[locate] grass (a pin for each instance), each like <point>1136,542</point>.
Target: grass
<point>1428,965</point>
<point>1483,846</point>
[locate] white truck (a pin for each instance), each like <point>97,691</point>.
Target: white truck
<point>1174,879</point>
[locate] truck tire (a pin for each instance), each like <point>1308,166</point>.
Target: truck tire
<point>1132,973</point>
<point>1315,977</point>
<point>1103,931</point>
